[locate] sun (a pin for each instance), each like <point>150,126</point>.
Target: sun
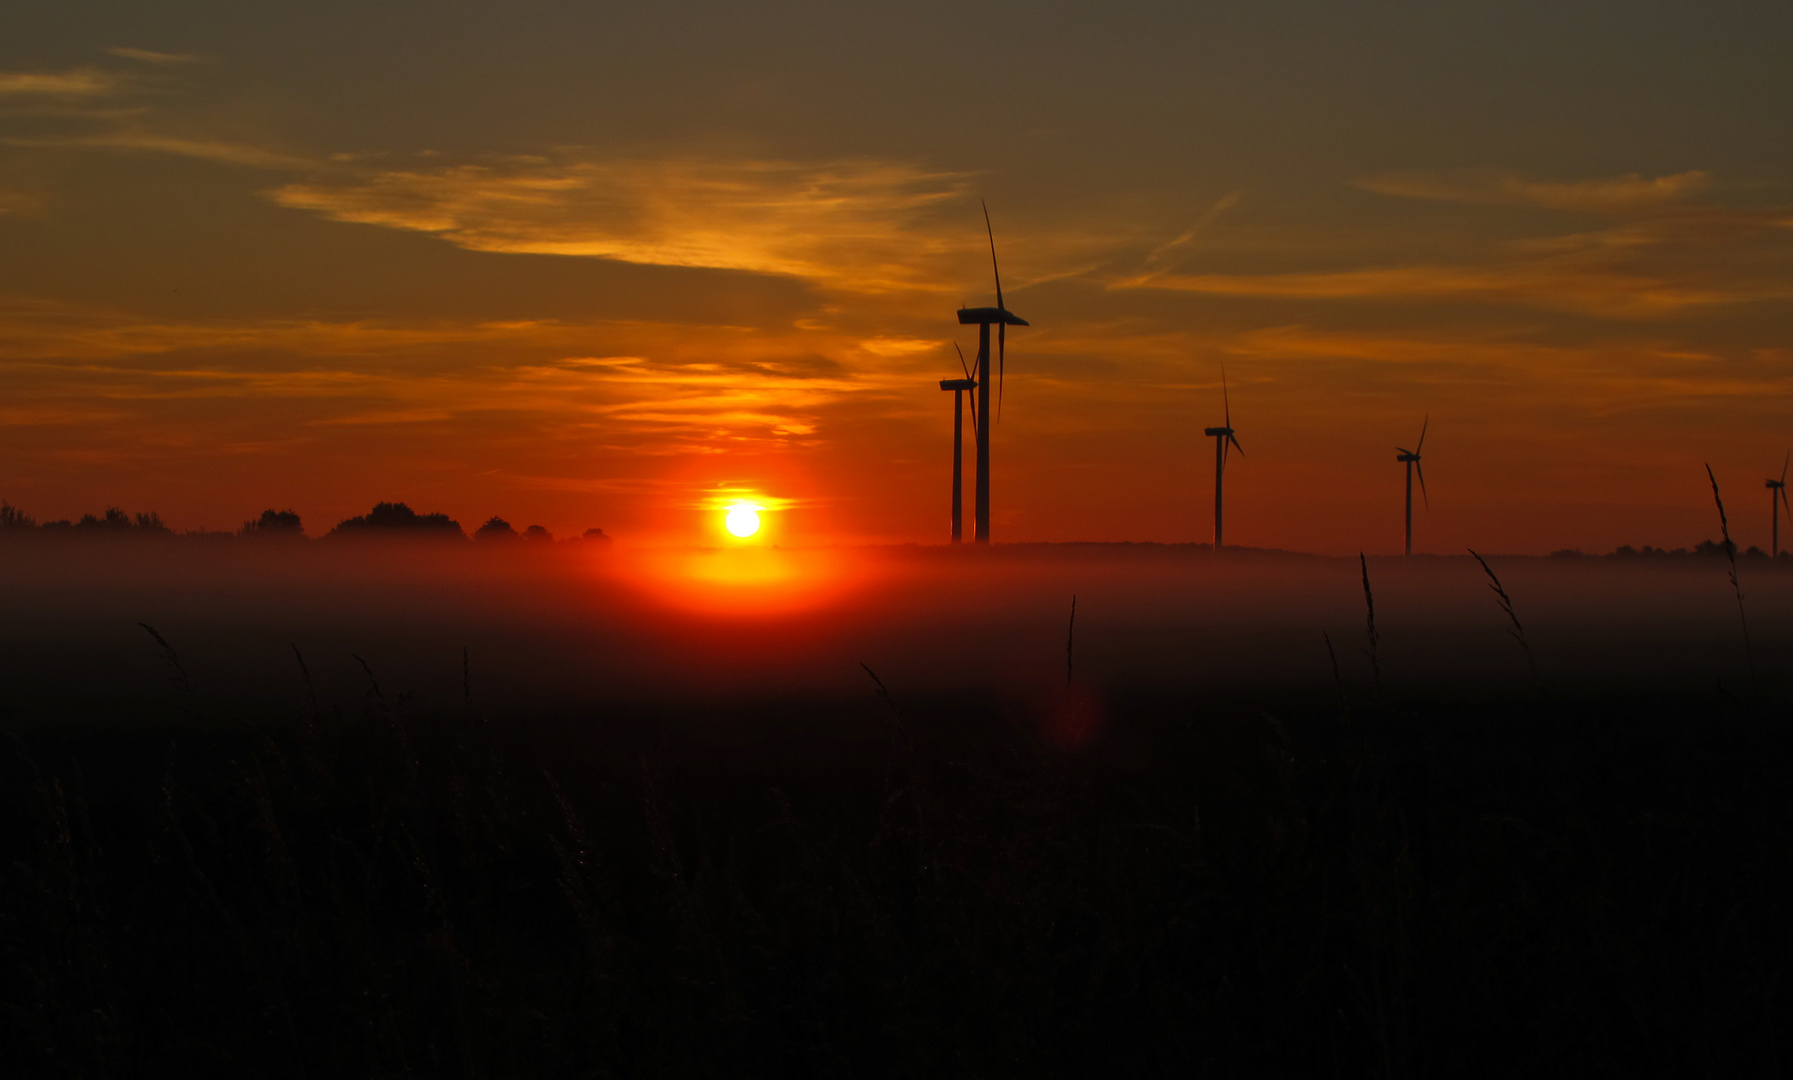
<point>743,519</point>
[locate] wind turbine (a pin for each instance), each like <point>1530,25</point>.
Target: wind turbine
<point>1777,498</point>
<point>958,387</point>
<point>983,318</point>
<point>1411,457</point>
<point>1223,438</point>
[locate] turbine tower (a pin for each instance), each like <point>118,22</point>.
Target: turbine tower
<point>1411,457</point>
<point>983,318</point>
<point>1777,498</point>
<point>959,387</point>
<point>1223,438</point>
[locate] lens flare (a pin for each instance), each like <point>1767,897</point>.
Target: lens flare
<point>743,520</point>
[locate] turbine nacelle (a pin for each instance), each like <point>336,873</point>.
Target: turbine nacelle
<point>985,316</point>
<point>958,384</point>
<point>1227,431</point>
<point>1405,455</point>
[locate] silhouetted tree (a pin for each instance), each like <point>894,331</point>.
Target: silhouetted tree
<point>595,536</point>
<point>279,523</point>
<point>11,517</point>
<point>536,532</point>
<point>495,529</point>
<point>399,519</point>
<point>117,522</point>
<point>114,520</point>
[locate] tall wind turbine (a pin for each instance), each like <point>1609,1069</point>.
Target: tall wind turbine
<point>1777,498</point>
<point>1411,457</point>
<point>1223,438</point>
<point>983,318</point>
<point>959,387</point>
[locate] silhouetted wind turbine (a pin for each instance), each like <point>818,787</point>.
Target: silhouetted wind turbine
<point>1411,457</point>
<point>958,387</point>
<point>1223,438</point>
<point>1777,498</point>
<point>982,318</point>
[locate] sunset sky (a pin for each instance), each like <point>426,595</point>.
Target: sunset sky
<point>585,264</point>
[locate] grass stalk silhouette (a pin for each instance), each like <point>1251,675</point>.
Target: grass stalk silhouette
<point>1070,640</point>
<point>1506,605</point>
<point>884,693</point>
<point>176,673</point>
<point>374,692</point>
<point>1724,529</point>
<point>1369,604</point>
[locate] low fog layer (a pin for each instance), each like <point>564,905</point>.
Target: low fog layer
<point>568,629</point>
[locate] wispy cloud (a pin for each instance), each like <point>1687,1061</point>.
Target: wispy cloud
<point>1666,255</point>
<point>1623,195</point>
<point>20,202</point>
<point>149,56</point>
<point>1163,255</point>
<point>137,141</point>
<point>78,83</point>
<point>855,222</point>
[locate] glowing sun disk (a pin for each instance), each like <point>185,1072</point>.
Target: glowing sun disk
<point>743,519</point>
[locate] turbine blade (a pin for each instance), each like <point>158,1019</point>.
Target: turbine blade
<point>1788,505</point>
<point>1226,401</point>
<point>1422,434</point>
<point>1402,450</point>
<point>1223,452</point>
<point>1236,445</point>
<point>963,366</point>
<point>1784,463</point>
<point>994,270</point>
<point>1421,470</point>
<point>1002,341</point>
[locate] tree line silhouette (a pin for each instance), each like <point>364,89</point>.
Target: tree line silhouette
<point>386,519</point>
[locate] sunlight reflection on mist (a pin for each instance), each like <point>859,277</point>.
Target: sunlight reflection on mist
<point>742,581</point>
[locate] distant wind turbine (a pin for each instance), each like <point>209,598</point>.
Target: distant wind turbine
<point>1411,457</point>
<point>958,387</point>
<point>983,318</point>
<point>1777,498</point>
<point>1223,438</point>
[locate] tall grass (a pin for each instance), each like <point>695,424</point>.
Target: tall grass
<point>1506,605</point>
<point>1070,643</point>
<point>1724,528</point>
<point>1231,885</point>
<point>1369,604</point>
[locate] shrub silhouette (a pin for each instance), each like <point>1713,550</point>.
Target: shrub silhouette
<point>397,518</point>
<point>595,536</point>
<point>495,529</point>
<point>283,523</point>
<point>536,532</point>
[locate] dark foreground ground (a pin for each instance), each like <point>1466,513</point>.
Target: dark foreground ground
<point>1552,881</point>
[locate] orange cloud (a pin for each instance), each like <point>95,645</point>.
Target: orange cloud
<point>854,222</point>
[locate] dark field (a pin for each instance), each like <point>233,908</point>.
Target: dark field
<point>663,823</point>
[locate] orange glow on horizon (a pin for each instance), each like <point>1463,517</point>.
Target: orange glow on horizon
<point>747,581</point>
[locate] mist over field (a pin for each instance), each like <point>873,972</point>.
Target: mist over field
<point>572,627</point>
